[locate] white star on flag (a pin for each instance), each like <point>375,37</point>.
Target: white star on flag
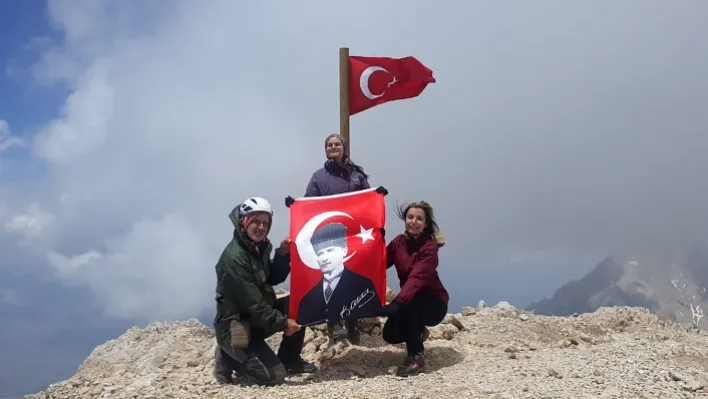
<point>365,234</point>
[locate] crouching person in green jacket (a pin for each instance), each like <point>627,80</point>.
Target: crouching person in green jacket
<point>247,311</point>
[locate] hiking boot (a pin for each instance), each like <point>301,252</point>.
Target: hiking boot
<point>299,365</point>
<point>412,365</point>
<point>336,331</point>
<point>222,373</point>
<point>223,377</point>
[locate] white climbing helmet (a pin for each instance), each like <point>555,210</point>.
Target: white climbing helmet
<point>254,204</point>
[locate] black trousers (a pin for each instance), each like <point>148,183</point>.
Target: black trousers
<point>258,360</point>
<point>408,323</point>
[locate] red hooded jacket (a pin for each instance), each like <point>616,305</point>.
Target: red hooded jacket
<point>416,261</point>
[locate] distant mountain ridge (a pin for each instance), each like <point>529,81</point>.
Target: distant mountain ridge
<point>671,284</point>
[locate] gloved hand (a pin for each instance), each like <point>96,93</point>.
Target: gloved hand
<point>289,201</point>
<point>383,232</point>
<point>390,309</point>
<point>381,190</point>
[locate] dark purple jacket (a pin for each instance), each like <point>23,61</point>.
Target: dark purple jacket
<point>333,179</point>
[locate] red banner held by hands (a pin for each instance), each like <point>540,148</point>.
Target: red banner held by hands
<point>337,257</point>
<point>377,80</point>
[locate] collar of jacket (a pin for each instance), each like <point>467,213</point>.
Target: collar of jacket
<point>420,240</point>
<point>415,239</point>
<point>334,168</point>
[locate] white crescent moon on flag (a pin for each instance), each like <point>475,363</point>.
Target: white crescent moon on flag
<point>364,82</point>
<point>302,241</point>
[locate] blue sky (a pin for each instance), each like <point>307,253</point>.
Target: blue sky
<point>47,328</point>
<point>22,21</point>
<point>24,105</point>
<point>549,140</point>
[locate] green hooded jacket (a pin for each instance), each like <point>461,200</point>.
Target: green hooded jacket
<point>244,288</point>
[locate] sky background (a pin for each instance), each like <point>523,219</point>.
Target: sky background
<point>557,132</point>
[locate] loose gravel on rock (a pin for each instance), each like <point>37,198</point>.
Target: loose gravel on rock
<point>489,352</point>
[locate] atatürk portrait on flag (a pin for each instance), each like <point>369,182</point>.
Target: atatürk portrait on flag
<point>341,292</point>
<point>338,258</point>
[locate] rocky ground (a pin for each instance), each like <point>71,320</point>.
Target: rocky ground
<point>497,352</point>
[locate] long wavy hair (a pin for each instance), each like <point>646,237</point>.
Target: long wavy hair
<point>431,225</point>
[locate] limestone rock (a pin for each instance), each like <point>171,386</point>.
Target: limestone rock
<point>443,331</point>
<point>453,320</point>
<point>468,311</point>
<point>617,352</point>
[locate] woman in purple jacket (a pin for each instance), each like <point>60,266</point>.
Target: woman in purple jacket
<point>339,175</point>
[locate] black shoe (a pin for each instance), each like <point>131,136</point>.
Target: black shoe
<point>412,365</point>
<point>299,365</point>
<point>222,372</point>
<point>336,332</point>
<point>222,378</point>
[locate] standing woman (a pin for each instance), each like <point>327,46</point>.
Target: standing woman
<point>339,175</point>
<point>423,298</point>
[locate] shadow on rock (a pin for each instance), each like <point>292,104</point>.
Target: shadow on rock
<point>368,341</point>
<point>246,382</point>
<point>358,362</point>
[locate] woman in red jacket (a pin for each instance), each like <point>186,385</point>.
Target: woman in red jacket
<point>423,299</point>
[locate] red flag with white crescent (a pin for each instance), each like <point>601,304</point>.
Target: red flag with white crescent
<point>377,80</point>
<point>337,257</point>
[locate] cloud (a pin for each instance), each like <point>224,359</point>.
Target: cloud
<point>6,139</point>
<point>4,130</point>
<point>127,273</point>
<point>574,127</point>
<point>29,224</point>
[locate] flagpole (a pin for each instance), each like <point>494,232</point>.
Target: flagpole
<point>344,96</point>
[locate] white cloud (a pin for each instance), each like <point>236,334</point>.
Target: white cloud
<point>6,139</point>
<point>84,121</point>
<point>29,224</point>
<point>4,130</point>
<point>68,265</point>
<point>158,269</point>
<point>544,130</point>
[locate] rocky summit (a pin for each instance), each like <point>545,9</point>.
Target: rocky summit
<point>483,352</point>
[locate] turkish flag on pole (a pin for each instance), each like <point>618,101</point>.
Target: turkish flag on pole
<point>337,257</point>
<point>377,80</point>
